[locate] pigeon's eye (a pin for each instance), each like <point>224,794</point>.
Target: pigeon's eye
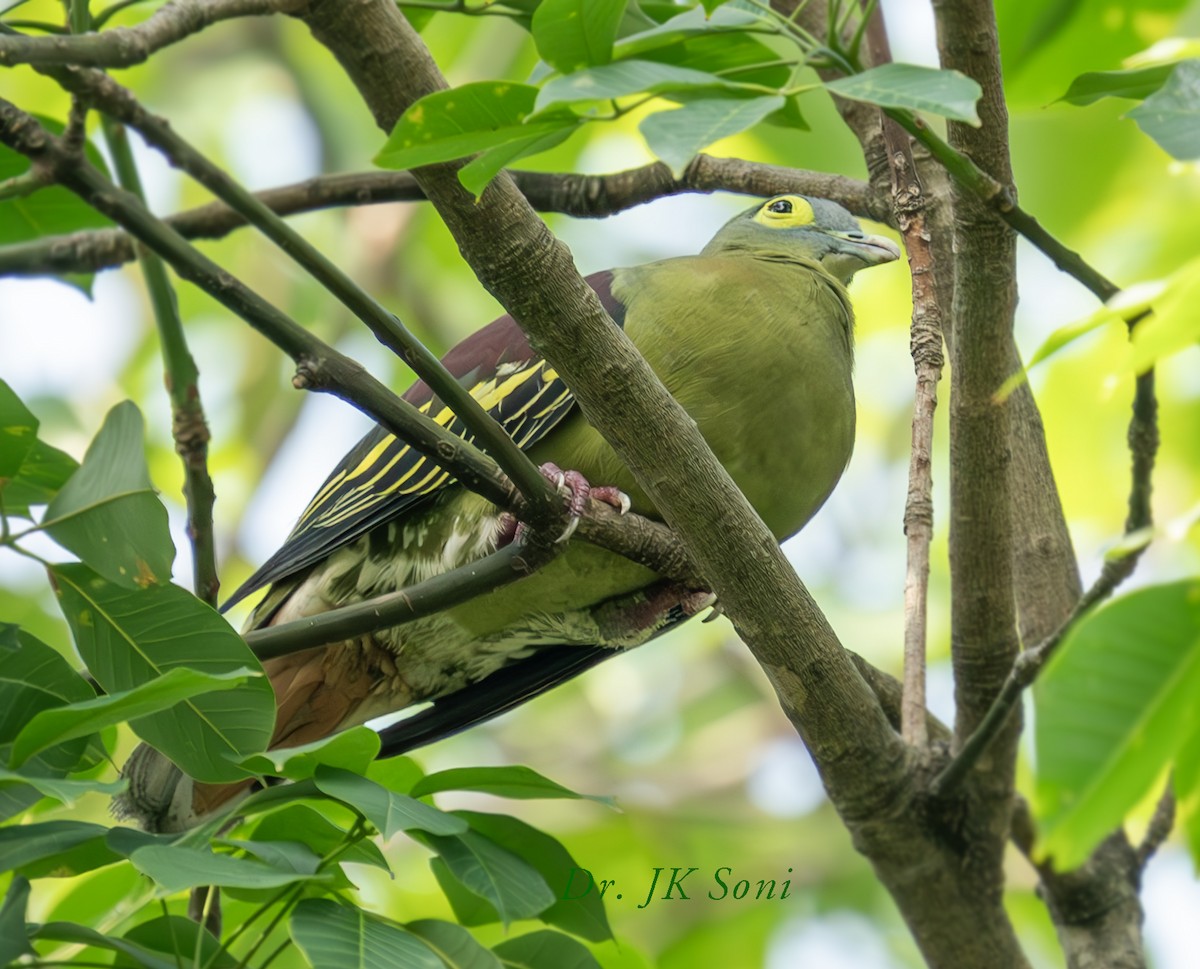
<point>782,206</point>
<point>785,212</point>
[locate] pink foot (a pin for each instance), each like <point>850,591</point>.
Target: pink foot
<point>574,487</point>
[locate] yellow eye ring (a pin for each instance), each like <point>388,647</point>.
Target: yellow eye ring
<point>785,212</point>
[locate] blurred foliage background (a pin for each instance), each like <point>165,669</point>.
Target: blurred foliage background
<point>685,732</point>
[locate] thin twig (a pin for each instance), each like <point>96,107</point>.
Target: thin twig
<point>189,428</point>
<point>908,203</point>
<point>126,46</point>
<point>118,102</point>
<point>582,196</point>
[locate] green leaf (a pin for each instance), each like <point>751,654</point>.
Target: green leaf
<point>454,945</point>
<point>108,513</point>
<point>460,122</point>
<point>580,916</point>
<point>18,431</point>
<point>67,791</point>
<point>14,942</point>
<point>545,950</point>
<point>23,844</point>
<point>81,719</point>
<point>1174,325</point>
<point>947,93</point>
<point>176,936</point>
<point>388,811</point>
<point>299,822</point>
<point>283,855</point>
<point>34,678</point>
<point>516,781</point>
<point>575,33</point>
<point>514,888</point>
<point>354,749</point>
<point>678,136</point>
<point>1138,84</point>
<point>176,868</point>
<point>397,774</point>
<point>1171,116</point>
<point>690,25</point>
<point>70,932</point>
<point>43,473</point>
<point>477,173</point>
<point>468,908</point>
<point>625,78</point>
<point>130,637</point>
<point>334,936</point>
<point>1113,707</point>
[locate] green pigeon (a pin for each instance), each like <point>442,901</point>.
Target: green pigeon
<point>753,336</point>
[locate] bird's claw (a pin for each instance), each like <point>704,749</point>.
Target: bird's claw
<point>576,489</point>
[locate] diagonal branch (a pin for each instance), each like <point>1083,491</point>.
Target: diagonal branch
<point>909,202</point>
<point>104,93</point>
<point>583,196</point>
<point>126,46</point>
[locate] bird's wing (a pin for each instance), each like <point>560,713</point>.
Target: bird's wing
<point>382,478</point>
<point>508,688</point>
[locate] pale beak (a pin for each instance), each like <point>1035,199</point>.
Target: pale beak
<point>874,250</point>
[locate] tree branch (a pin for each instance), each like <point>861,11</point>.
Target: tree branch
<point>583,196</point>
<point>518,261</point>
<point>189,428</point>
<point>908,204</point>
<point>126,46</point>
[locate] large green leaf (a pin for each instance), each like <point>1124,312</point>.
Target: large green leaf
<point>108,513</point>
<point>61,789</point>
<point>514,888</point>
<point>581,916</point>
<point>678,136</point>
<point>43,473</point>
<point>1137,83</point>
<point>129,637</point>
<point>71,932</point>
<point>688,25</point>
<point>354,750</point>
<point>176,937</point>
<point>476,174</point>
<point>61,724</point>
<point>515,781</point>
<point>35,678</point>
<point>388,811</point>
<point>624,78</point>
<point>1171,116</point>
<point>947,93</point>
<point>23,844</point>
<point>1113,708</point>
<point>18,431</point>
<point>575,33</point>
<point>299,822</point>
<point>545,950</point>
<point>176,868</point>
<point>454,945</point>
<point>460,122</point>
<point>14,942</point>
<point>334,936</point>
